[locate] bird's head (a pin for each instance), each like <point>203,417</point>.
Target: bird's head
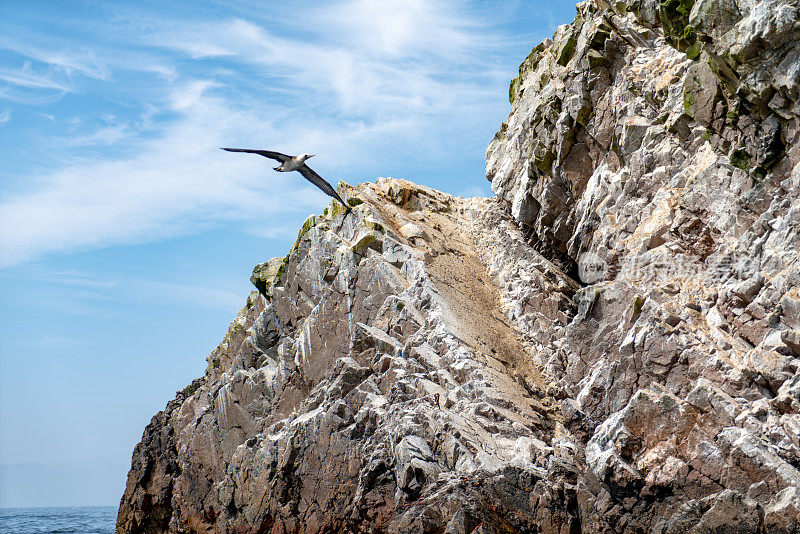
<point>306,156</point>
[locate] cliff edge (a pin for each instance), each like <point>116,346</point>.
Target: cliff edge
<point>610,345</point>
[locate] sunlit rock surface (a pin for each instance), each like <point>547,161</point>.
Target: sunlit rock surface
<point>610,345</point>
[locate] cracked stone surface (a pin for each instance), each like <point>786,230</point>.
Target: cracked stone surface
<point>378,387</point>
<point>610,345</point>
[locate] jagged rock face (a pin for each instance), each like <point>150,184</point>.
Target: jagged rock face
<point>610,346</point>
<point>652,152</point>
<point>378,383</point>
<point>609,111</point>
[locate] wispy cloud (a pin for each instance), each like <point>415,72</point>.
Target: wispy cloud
<point>59,343</point>
<point>175,184</point>
<point>5,116</point>
<point>364,82</point>
<point>28,77</point>
<point>66,58</point>
<point>103,295</point>
<point>47,73</point>
<point>412,67</point>
<point>168,73</point>
<point>71,278</point>
<point>198,295</point>
<point>106,135</point>
<point>417,29</point>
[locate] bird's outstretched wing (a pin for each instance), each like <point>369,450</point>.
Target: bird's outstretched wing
<point>266,153</point>
<point>309,174</point>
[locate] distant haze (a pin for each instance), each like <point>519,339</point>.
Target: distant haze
<point>62,484</point>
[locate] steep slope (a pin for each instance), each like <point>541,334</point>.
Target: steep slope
<point>652,151</point>
<point>377,384</point>
<point>611,345</point>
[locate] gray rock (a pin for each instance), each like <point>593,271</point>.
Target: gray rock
<point>430,363</point>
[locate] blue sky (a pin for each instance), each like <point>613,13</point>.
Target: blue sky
<point>127,237</point>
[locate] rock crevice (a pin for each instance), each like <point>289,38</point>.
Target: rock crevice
<point>610,345</point>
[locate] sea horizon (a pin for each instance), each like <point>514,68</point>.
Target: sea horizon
<point>84,519</point>
<point>4,507</point>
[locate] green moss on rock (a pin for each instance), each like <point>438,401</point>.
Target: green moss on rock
<point>307,225</point>
<point>512,90</point>
<point>595,59</point>
<point>267,274</point>
<point>367,240</point>
<point>543,157</point>
<point>566,50</point>
<point>335,209</point>
<point>584,114</point>
<point>674,15</point>
<point>688,101</point>
<point>310,222</point>
<point>667,403</point>
<point>501,133</point>
<point>373,225</point>
<point>741,159</point>
<point>638,303</point>
<point>681,7</point>
<point>532,60</point>
<point>598,39</point>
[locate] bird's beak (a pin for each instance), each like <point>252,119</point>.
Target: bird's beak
<point>311,155</point>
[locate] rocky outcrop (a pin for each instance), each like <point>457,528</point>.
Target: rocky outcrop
<point>652,152</point>
<point>611,345</point>
<point>377,382</point>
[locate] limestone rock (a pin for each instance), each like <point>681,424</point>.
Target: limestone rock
<point>610,345</point>
<point>682,355</point>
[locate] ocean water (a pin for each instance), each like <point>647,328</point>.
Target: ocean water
<point>61,520</point>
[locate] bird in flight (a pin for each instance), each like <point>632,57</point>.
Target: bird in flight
<point>296,163</point>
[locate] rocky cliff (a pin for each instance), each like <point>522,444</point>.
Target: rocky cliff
<point>610,345</point>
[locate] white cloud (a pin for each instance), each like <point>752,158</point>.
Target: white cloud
<point>80,292</point>
<point>168,73</point>
<point>175,184</point>
<point>410,28</point>
<point>69,60</point>
<point>369,58</point>
<point>374,83</point>
<point>190,94</point>
<point>107,135</point>
<point>197,48</point>
<point>29,78</point>
<point>5,116</point>
<point>46,69</point>
<point>198,295</point>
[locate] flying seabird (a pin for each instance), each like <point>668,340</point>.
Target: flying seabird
<point>296,163</point>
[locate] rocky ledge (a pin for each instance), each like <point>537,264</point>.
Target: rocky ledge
<point>610,345</point>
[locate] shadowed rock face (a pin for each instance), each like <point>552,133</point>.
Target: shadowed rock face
<point>652,149</point>
<point>611,345</point>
